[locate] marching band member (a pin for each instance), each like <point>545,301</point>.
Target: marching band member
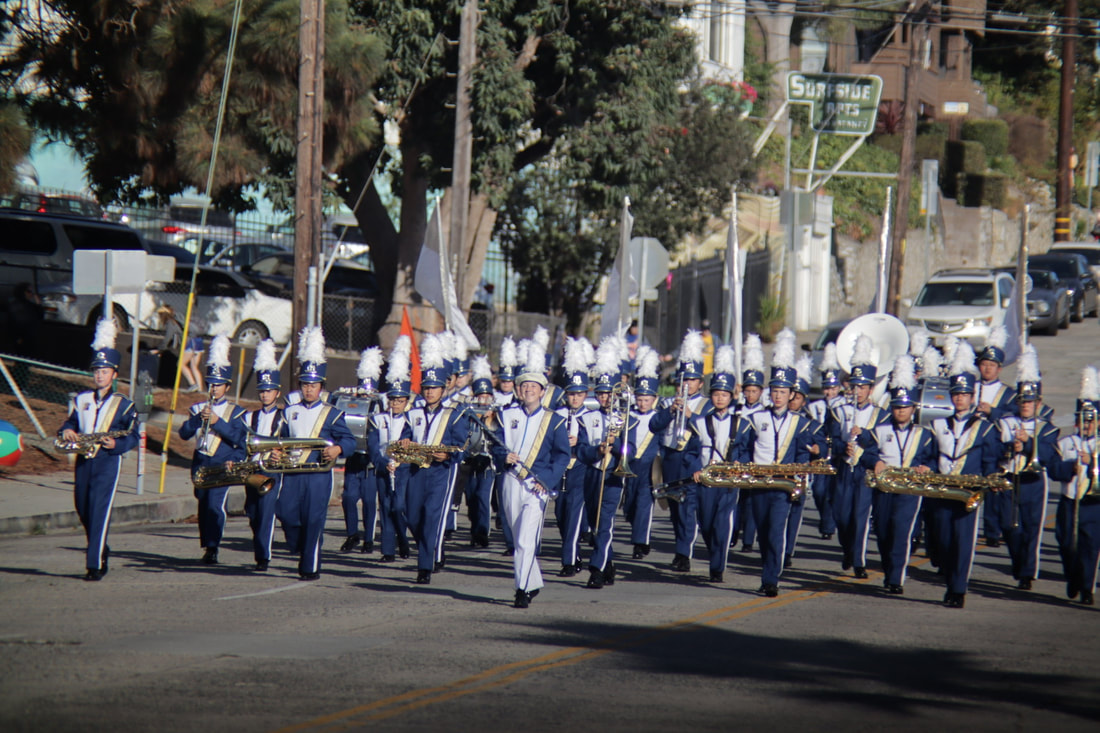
<point>95,478</point>
<point>430,487</point>
<point>532,452</point>
<point>752,402</point>
<point>645,426</point>
<point>968,445</point>
<point>774,436</point>
<point>1077,528</point>
<point>266,422</point>
<point>713,438</point>
<point>569,506</point>
<point>303,501</point>
<point>689,402</point>
<point>898,443</point>
<point>221,439</point>
<point>601,453</point>
<point>1024,436</point>
<point>506,374</point>
<point>819,448</point>
<point>852,501</point>
<point>824,485</point>
<point>994,400</point>
<point>482,476</point>
<point>360,484</point>
<point>391,477</point>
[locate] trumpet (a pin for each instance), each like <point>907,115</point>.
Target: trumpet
<point>623,397</point>
<point>86,444</point>
<point>294,453</point>
<point>679,425</point>
<point>205,429</point>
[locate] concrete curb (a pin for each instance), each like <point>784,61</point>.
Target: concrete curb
<point>171,509</point>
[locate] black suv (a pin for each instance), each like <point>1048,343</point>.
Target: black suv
<point>1073,271</point>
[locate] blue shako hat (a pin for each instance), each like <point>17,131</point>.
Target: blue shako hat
<point>607,365</point>
<point>804,367</point>
<point>903,382</point>
<point>784,373</point>
<point>994,349</point>
<point>482,382</point>
<point>1028,385</point>
<point>219,370</point>
<point>400,369</point>
<point>830,367</point>
<point>752,374</point>
<point>691,355</point>
<point>578,382</point>
<point>103,345</point>
<point>433,370</point>
<point>266,366</point>
<point>724,376</point>
<point>508,360</point>
<point>578,356</point>
<point>1088,400</point>
<point>647,379</point>
<point>311,355</point>
<point>864,370</point>
<point>963,375</point>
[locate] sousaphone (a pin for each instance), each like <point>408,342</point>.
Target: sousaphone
<point>889,339</point>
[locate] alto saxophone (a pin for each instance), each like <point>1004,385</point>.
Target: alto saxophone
<point>243,473</point>
<point>419,454</point>
<point>86,444</point>
<point>790,477</point>
<point>968,489</point>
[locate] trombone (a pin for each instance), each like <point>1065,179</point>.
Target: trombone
<point>1032,466</point>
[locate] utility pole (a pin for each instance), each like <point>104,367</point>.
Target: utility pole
<point>1063,191</point>
<point>307,179</point>
<point>463,153</point>
<point>918,32</point>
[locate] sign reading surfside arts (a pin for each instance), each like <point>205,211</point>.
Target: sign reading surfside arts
<point>841,104</point>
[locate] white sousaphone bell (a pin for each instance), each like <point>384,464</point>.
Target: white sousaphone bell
<point>889,338</point>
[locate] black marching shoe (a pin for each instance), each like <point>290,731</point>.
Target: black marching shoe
<point>681,563</point>
<point>788,562</point>
<point>309,576</point>
<point>367,548</point>
<point>860,573</point>
<point>771,591</point>
<point>954,600</point>
<point>103,563</point>
<point>826,535</point>
<point>846,563</point>
<point>992,542</point>
<point>93,574</point>
<point>567,571</point>
<point>387,558</point>
<point>609,574</point>
<point>716,576</point>
<point>523,600</point>
<point>1086,598</point>
<point>746,547</point>
<point>350,543</point>
<point>1024,584</point>
<point>509,552</point>
<point>210,556</point>
<point>595,579</point>
<point>403,552</point>
<point>423,577</point>
<point>893,589</point>
<point>638,554</point>
<point>1072,589</point>
<point>262,565</point>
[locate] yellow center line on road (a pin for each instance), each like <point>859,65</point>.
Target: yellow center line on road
<point>509,673</point>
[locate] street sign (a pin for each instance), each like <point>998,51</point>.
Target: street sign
<point>842,104</point>
<point>121,271</point>
<point>1092,165</point>
<point>648,252</point>
<point>929,187</point>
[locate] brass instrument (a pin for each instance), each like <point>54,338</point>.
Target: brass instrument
<point>295,451</point>
<point>244,473</point>
<point>968,489</point>
<point>1032,466</point>
<point>86,444</point>
<point>419,454</point>
<point>679,426</point>
<point>623,399</point>
<point>664,494</point>
<point>205,429</point>
<point>790,477</point>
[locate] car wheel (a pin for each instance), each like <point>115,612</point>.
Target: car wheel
<point>122,318</point>
<point>1078,311</point>
<point>250,333</point>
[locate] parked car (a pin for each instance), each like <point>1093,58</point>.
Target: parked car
<point>828,335</point>
<point>233,256</point>
<point>1089,250</point>
<point>1073,270</point>
<point>1048,301</point>
<point>225,303</point>
<point>45,202</point>
<point>38,248</point>
<point>965,303</point>
<point>345,277</point>
<point>182,219</point>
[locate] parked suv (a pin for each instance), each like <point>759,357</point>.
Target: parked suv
<point>1073,270</point>
<point>965,303</point>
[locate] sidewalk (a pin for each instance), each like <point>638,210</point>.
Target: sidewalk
<point>38,504</point>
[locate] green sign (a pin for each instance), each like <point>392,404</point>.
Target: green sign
<point>842,104</point>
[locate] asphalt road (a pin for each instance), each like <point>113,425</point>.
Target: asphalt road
<point>166,644</point>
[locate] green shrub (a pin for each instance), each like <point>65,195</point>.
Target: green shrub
<point>992,134</point>
<point>981,189</point>
<point>933,129</point>
<point>931,147</point>
<point>773,314</point>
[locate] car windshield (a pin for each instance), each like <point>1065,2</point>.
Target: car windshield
<point>1064,267</point>
<point>956,293</point>
<point>1092,254</point>
<point>1043,279</point>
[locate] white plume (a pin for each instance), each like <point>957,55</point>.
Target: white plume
<point>783,355</point>
<point>950,347</point>
<point>311,345</point>
<point>431,352</point>
<point>459,348</point>
<point>963,363</point>
<point>542,338</point>
<point>589,352</point>
<point>576,356</point>
<point>219,352</point>
<point>804,367</point>
<point>724,360</point>
<point>691,348</point>
<point>620,347</point>
<point>535,362</point>
<point>753,354</point>
<point>521,351</point>
<point>1090,384</point>
<point>863,353</point>
<point>904,374</point>
<point>930,361</point>
<point>607,356</point>
<point>370,364</point>
<point>265,360</point>
<point>400,364</point>
<point>648,362</point>
<point>828,359</point>
<point>997,337</point>
<point>508,356</point>
<point>918,342</point>
<point>106,331</point>
<point>1027,369</point>
<point>480,369</point>
<point>450,344</point>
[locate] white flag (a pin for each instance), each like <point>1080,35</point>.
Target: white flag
<point>435,283</point>
<point>733,283</point>
<point>621,284</point>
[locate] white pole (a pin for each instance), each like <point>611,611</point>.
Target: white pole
<point>311,297</point>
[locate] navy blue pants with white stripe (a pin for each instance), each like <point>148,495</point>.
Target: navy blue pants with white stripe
<point>302,508</point>
<point>261,519</point>
<point>392,514</point>
<point>895,515</point>
<point>95,481</point>
<point>428,495</point>
<point>359,486</point>
<point>211,515</point>
<point>568,511</point>
<point>956,532</point>
<point>771,508</point>
<point>717,514</point>
<point>1024,539</point>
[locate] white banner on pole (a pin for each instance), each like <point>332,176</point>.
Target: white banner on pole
<point>435,283</point>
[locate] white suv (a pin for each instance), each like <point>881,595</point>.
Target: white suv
<point>964,303</point>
